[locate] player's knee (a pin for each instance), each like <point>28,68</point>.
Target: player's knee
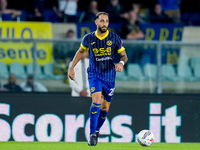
<point>104,108</point>
<point>96,100</point>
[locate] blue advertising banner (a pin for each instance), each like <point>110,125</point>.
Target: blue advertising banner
<point>163,32</point>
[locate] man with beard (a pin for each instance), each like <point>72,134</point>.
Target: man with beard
<point>102,46</point>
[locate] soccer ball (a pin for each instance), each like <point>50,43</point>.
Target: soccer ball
<point>145,138</point>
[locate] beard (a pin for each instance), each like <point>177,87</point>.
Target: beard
<point>103,30</point>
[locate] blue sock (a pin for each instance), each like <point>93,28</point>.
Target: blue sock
<point>94,114</point>
<point>101,119</point>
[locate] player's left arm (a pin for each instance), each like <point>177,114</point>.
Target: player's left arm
<point>123,61</point>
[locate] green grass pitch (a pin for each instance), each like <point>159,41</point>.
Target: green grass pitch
<point>100,146</point>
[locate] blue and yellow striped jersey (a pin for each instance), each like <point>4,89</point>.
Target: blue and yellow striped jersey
<point>101,54</point>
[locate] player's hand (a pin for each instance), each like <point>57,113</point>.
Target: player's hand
<point>71,73</point>
<point>119,67</point>
<point>83,93</point>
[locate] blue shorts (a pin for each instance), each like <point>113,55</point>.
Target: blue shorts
<point>106,88</point>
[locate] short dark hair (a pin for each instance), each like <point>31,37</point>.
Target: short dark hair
<point>101,13</point>
<point>30,77</point>
<point>70,31</point>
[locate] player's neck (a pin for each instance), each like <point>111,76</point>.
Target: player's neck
<point>101,34</point>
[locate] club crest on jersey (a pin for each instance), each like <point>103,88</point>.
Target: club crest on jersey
<point>109,43</point>
<point>92,89</point>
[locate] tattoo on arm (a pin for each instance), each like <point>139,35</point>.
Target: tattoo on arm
<point>124,56</point>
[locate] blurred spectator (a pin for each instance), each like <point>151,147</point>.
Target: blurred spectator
<point>12,84</point>
<point>136,7</point>
<point>70,54</point>
<point>47,10</point>
<point>132,30</point>
<point>158,15</point>
<point>62,62</point>
<point>140,17</point>
<point>62,49</point>
<point>172,9</point>
<point>8,14</point>
<point>80,85</point>
<point>63,53</point>
<point>91,12</point>
<point>116,11</point>
<point>69,9</point>
<point>29,85</point>
<point>70,34</point>
<point>25,6</point>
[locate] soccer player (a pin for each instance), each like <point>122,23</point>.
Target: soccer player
<point>102,45</point>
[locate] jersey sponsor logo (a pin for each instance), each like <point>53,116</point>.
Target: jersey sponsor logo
<point>109,43</point>
<point>102,59</point>
<point>92,89</point>
<point>102,51</point>
<point>103,117</point>
<point>94,112</point>
<point>93,43</point>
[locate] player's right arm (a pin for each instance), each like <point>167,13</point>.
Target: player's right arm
<point>79,54</point>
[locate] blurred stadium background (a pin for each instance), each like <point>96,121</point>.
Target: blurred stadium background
<point>166,60</point>
<point>162,77</point>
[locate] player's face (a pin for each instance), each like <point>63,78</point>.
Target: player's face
<point>102,23</point>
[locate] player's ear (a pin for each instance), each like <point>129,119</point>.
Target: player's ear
<point>95,21</point>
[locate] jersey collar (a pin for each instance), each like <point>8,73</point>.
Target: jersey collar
<point>103,37</point>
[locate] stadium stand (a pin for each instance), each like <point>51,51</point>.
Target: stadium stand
<point>196,70</point>
<point>39,73</point>
<point>4,70</point>
<point>168,73</point>
<point>18,69</point>
<point>150,71</point>
<point>49,72</point>
<point>121,76</point>
<point>194,61</point>
<point>184,70</point>
<point>135,72</point>
<point>143,69</point>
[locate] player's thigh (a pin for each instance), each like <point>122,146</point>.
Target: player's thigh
<point>105,105</point>
<point>95,89</point>
<point>108,91</point>
<point>95,85</point>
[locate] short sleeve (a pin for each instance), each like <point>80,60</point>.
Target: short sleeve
<point>120,46</point>
<point>84,43</point>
